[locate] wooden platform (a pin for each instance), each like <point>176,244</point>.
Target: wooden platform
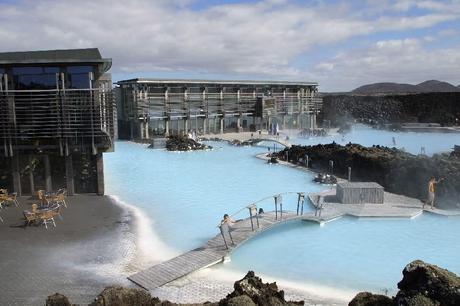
<point>211,253</point>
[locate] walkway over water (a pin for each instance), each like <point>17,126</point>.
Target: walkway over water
<point>280,141</point>
<point>215,250</point>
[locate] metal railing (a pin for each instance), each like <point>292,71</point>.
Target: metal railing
<point>179,105</point>
<point>75,115</point>
<point>253,210</point>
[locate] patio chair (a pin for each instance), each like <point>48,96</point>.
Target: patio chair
<point>56,208</point>
<point>31,215</point>
<point>9,198</point>
<point>60,197</point>
<point>47,216</point>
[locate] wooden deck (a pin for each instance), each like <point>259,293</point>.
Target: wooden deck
<point>211,253</point>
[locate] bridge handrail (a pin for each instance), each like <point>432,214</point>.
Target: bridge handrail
<point>261,200</point>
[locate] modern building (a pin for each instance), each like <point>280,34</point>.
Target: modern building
<point>56,120</point>
<point>150,107</point>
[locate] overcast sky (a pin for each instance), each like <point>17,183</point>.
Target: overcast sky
<point>339,44</point>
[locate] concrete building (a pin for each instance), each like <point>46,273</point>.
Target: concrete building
<point>151,107</point>
<point>56,120</point>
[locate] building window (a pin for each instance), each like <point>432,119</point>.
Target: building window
<point>34,77</point>
<point>78,76</point>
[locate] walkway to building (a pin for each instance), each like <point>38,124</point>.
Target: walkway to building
<point>250,136</point>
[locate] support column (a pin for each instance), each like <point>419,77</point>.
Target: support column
<point>147,135</point>
<point>166,127</point>
<point>238,124</point>
<point>100,173</point>
<point>131,129</point>
<point>69,176</point>
<point>298,121</point>
<point>141,130</point>
<point>16,174</point>
<point>205,121</point>
<point>221,125</point>
<point>31,177</point>
<point>48,181</point>
<point>186,126</point>
<point>284,122</point>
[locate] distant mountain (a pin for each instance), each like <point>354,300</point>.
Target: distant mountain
<point>396,88</point>
<point>437,86</point>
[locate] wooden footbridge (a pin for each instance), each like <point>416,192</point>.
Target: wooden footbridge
<point>229,238</point>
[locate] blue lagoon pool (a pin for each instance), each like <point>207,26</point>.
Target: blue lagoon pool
<point>186,194</point>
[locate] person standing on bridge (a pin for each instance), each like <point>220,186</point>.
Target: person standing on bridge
<point>227,220</point>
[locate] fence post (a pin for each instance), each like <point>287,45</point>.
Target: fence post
<point>223,236</point>
<point>300,202</point>
<point>349,174</point>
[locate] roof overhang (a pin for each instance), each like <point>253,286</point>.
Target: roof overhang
<point>69,56</point>
<point>215,82</point>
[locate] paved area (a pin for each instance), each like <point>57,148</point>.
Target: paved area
<point>83,254</point>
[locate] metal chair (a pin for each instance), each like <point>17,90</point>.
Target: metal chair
<point>9,198</point>
<point>32,215</point>
<point>59,197</point>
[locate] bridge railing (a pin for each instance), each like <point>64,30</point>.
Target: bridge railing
<point>255,209</point>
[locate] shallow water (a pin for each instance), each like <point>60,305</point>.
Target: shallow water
<point>350,253</point>
<point>186,194</point>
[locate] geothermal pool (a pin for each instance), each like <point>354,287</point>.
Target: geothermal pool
<point>185,195</point>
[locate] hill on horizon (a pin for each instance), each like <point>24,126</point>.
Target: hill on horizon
<point>398,88</point>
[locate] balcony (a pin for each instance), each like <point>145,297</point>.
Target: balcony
<point>70,120</point>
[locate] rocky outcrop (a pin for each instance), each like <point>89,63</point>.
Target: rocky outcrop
<point>184,143</point>
<point>117,295</point>
<point>423,284</point>
<point>57,299</point>
<point>251,288</point>
<point>437,107</point>
<point>397,171</point>
<point>369,299</point>
<point>422,281</point>
<point>247,292</point>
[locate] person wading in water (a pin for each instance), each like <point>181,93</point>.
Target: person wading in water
<point>431,191</point>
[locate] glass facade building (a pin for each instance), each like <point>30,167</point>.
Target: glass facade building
<point>56,120</point>
<point>154,107</point>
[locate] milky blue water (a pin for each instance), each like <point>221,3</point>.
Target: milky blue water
<point>350,253</point>
<point>186,194</point>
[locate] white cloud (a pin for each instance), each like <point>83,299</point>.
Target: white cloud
<point>404,61</point>
<point>263,39</point>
